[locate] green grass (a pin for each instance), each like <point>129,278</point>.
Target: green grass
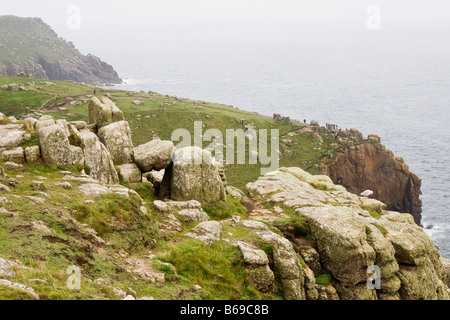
<point>225,210</point>
<point>218,269</point>
<point>323,278</point>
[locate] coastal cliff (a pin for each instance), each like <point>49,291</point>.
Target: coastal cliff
<point>29,47</point>
<point>371,166</point>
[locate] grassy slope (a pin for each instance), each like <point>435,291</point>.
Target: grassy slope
<point>44,41</point>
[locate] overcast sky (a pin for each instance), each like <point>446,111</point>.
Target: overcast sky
<point>101,19</point>
<point>207,11</point>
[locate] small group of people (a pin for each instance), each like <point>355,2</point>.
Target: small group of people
<point>332,126</point>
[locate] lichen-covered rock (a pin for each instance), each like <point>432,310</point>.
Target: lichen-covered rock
<point>56,148</point>
<point>97,158</point>
<point>194,215</point>
<point>341,241</point>
<point>234,192</point>
<point>32,154</point>
<point>11,136</point>
<point>170,206</point>
<point>104,112</point>
<point>195,176</point>
<point>259,274</point>
<point>117,139</point>
<point>207,232</point>
<point>252,255</point>
<point>130,173</point>
<point>287,265</point>
<point>93,189</point>
<point>156,154</point>
<point>16,155</point>
<point>6,268</point>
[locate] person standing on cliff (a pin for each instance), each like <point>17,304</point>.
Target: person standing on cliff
<point>95,91</point>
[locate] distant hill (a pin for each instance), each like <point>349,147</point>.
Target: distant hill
<point>29,46</point>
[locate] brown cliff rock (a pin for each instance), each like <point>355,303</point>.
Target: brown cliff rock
<point>371,166</point>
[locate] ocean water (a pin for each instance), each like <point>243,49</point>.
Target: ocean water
<point>394,82</point>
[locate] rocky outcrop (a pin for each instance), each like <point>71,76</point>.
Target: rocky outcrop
<point>34,49</point>
<point>371,166</point>
<point>56,148</point>
<point>130,173</point>
<point>97,158</point>
<point>153,155</point>
<point>103,112</point>
<point>340,236</point>
<point>194,176</point>
<point>117,139</point>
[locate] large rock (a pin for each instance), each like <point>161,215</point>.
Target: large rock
<point>98,158</point>
<point>11,136</point>
<point>104,112</point>
<point>16,154</point>
<point>287,265</point>
<point>207,232</point>
<point>117,139</point>
<point>195,176</point>
<point>6,268</point>
<point>342,242</point>
<point>56,148</point>
<point>156,154</point>
<point>32,154</point>
<point>130,173</point>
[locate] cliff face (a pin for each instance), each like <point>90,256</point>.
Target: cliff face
<point>371,166</point>
<point>31,47</point>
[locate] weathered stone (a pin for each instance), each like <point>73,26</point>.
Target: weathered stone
<point>6,268</point>
<point>64,185</point>
<point>32,154</point>
<point>117,139</point>
<point>4,188</point>
<point>341,242</point>
<point>16,155</point>
<point>310,288</point>
<point>419,282</point>
<point>287,265</point>
<point>55,146</point>
<point>312,259</point>
<point>30,124</point>
<point>194,215</point>
<point>130,173</point>
<point>39,225</point>
<point>252,255</point>
<point>97,158</point>
<point>156,154</point>
<point>38,185</point>
<point>260,277</point>
<point>170,206</point>
<point>195,176</point>
<point>234,192</point>
<point>207,232</point>
<point>11,136</point>
<point>356,292</point>
<point>91,189</point>
<point>104,112</point>
<point>11,166</point>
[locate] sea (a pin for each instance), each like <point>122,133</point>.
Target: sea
<point>393,82</point>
